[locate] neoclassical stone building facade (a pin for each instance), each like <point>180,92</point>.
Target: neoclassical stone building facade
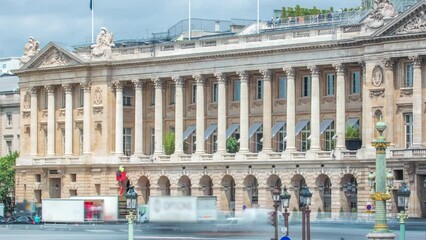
<point>288,94</point>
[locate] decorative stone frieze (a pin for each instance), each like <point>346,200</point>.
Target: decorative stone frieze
<point>54,59</point>
<point>377,92</point>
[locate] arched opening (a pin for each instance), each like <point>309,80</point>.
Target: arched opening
<point>349,193</point>
<point>184,185</point>
<point>324,188</point>
<point>228,187</point>
<point>298,181</point>
<point>143,185</point>
<point>206,185</point>
<point>164,186</point>
<point>251,199</point>
<point>273,182</point>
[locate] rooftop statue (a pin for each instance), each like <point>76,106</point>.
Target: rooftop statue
<point>32,47</point>
<point>104,43</point>
<point>381,9</point>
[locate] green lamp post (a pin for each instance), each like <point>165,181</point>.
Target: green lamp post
<point>132,203</point>
<point>381,184</point>
<point>403,197</point>
<point>285,201</point>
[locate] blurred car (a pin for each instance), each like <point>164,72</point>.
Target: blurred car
<point>229,225</point>
<point>21,220</point>
<point>2,220</point>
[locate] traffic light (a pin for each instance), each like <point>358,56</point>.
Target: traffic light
<point>271,218</point>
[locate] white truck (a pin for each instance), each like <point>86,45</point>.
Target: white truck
<point>182,209</point>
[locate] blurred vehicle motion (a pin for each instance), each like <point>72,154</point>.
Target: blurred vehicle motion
<point>21,220</point>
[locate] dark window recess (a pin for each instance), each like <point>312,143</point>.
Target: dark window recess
<point>53,171</point>
<point>399,174</point>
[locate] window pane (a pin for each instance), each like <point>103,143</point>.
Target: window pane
<point>356,83</point>
<point>283,88</point>
<point>215,92</point>
<point>194,94</point>
<point>408,75</point>
<point>237,91</point>
<point>330,84</point>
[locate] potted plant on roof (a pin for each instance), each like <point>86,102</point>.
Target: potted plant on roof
<point>353,141</point>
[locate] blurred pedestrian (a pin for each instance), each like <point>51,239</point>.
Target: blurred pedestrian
<point>37,219</point>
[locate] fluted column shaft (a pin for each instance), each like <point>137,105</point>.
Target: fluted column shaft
<point>34,119</point>
<point>417,102</point>
<point>86,119</point>
<point>68,118</point>
<point>389,96</point>
<point>50,120</point>
<point>340,107</point>
<point>221,116</point>
<point>291,109</point>
<point>179,115</point>
<point>315,109</point>
<point>244,112</point>
<point>200,114</point>
<point>138,117</point>
<point>267,110</point>
<point>158,116</point>
<point>118,118</point>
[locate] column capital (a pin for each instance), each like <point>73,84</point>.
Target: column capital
<point>362,64</point>
<point>86,86</point>
<point>118,85</point>
<point>178,81</point>
<point>50,89</point>
<point>417,60</point>
<point>266,74</point>
<point>137,83</point>
<point>158,83</point>
<point>388,63</point>
<point>221,77</point>
<point>340,68</point>
<point>33,90</point>
<point>199,78</point>
<point>67,87</point>
<point>314,70</point>
<point>290,71</point>
<point>243,76</point>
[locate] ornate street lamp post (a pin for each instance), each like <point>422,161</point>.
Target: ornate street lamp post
<point>276,198</point>
<point>381,185</point>
<point>132,203</point>
<point>403,196</point>
<point>285,201</point>
<point>305,200</point>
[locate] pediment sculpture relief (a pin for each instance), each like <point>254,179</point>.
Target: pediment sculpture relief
<point>31,48</point>
<point>56,58</point>
<point>104,43</point>
<point>381,9</point>
<point>416,24</point>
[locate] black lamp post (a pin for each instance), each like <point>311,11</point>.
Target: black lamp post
<point>403,197</point>
<point>305,199</point>
<point>285,201</point>
<point>132,203</point>
<point>276,198</point>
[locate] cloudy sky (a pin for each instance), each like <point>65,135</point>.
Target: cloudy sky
<point>69,21</point>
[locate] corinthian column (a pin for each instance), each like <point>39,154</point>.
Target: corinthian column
<point>267,110</point>
<point>244,112</point>
<point>33,127</point>
<point>118,117</point>
<point>178,115</point>
<point>158,116</point>
<point>68,118</point>
<point>291,110</point>
<point>340,107</point>
<point>417,102</point>
<point>221,113</point>
<point>86,118</point>
<point>138,117</point>
<point>315,109</point>
<point>390,88</point>
<point>50,89</point>
<point>199,79</point>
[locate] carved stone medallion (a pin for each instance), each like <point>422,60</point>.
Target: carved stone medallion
<point>377,76</point>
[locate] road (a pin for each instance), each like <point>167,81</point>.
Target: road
<point>319,231</point>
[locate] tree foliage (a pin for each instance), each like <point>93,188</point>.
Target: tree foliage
<point>232,145</point>
<point>7,180</point>
<point>169,143</point>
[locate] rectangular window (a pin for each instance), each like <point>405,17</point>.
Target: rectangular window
<point>214,143</point>
<point>281,143</point>
<point>259,142</point>
<point>398,174</point>
<point>127,100</point>
<point>127,141</point>
<point>408,126</point>
<point>9,146</point>
<point>73,193</point>
<point>194,94</point>
<point>81,97</point>
<point>330,84</point>
<point>409,73</point>
<point>9,119</point>
<point>64,100</point>
<point>259,89</point>
<point>329,133</point>
<point>215,92</point>
<point>356,83</point>
<point>81,141</point>
<point>152,140</point>
<point>37,178</point>
<point>46,100</point>
<point>73,177</point>
<point>45,142</point>
<point>63,141</point>
<point>306,86</point>
<point>237,90</point>
<point>283,88</point>
<point>172,94</point>
<point>304,135</point>
<point>152,96</point>
<point>194,143</point>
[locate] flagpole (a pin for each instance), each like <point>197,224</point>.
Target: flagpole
<point>189,27</point>
<point>257,27</point>
<point>93,9</point>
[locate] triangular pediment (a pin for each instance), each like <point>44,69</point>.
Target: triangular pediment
<point>411,21</point>
<point>53,55</point>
